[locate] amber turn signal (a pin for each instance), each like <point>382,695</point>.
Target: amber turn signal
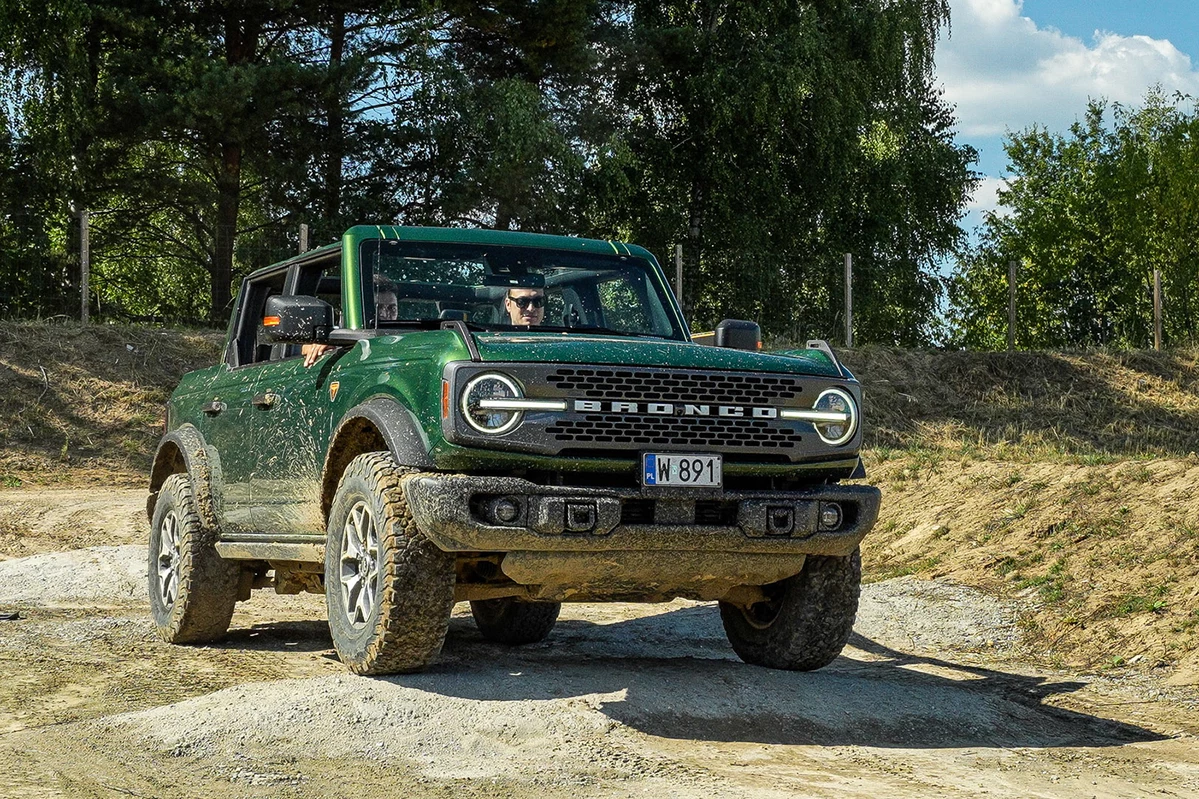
<point>270,321</point>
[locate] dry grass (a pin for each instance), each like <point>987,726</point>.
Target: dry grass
<point>85,403</point>
<point>1089,407</point>
<point>1103,558</point>
<point>1065,481</point>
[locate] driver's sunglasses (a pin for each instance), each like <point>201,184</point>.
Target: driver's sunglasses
<point>524,302</point>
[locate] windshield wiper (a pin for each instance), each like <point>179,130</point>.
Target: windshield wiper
<point>433,324</point>
<point>609,331</point>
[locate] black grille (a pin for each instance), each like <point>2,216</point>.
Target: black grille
<point>670,386</point>
<point>716,512</point>
<point>637,511</point>
<point>696,431</point>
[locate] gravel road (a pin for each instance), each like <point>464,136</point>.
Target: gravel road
<point>934,697</point>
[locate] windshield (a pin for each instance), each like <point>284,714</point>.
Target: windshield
<point>516,288</point>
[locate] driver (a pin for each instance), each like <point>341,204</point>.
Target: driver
<point>525,306</point>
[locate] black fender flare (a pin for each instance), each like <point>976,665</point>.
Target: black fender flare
<point>184,450</point>
<point>380,422</point>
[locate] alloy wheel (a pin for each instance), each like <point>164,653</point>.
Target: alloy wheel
<point>359,564</point>
<point>168,559</point>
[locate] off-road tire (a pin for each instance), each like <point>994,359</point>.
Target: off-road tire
<point>193,590</point>
<point>401,626</point>
<point>507,620</point>
<point>808,620</point>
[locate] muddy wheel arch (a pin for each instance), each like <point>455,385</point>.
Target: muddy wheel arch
<point>183,451</point>
<point>380,423</point>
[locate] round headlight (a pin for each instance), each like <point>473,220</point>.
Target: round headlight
<point>490,386</point>
<point>836,401</point>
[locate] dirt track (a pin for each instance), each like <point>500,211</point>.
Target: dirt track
<point>935,697</point>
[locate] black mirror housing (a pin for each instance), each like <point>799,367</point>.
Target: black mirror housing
<point>296,319</point>
<point>738,334</point>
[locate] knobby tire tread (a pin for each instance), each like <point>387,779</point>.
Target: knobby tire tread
<point>416,597</point>
<point>208,584</point>
<point>814,622</point>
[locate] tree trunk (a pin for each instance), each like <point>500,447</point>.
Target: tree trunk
<point>228,204</point>
<point>691,252</point>
<point>241,43</point>
<point>335,120</point>
<point>503,215</point>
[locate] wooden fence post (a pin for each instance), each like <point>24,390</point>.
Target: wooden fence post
<point>848,300</point>
<point>1011,306</point>
<point>85,267</point>
<point>678,273</point>
<point>303,238</point>
<point>1157,309</point>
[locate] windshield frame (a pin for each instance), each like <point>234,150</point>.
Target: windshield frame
<point>523,266</point>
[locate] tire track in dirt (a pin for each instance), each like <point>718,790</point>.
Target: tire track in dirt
<point>932,696</point>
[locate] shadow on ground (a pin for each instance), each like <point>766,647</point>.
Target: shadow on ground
<point>673,675</point>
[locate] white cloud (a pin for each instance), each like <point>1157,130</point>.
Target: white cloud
<point>986,196</point>
<point>1005,73</point>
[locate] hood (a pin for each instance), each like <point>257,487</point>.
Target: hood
<point>624,351</point>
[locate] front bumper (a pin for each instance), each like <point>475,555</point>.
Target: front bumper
<point>458,512</point>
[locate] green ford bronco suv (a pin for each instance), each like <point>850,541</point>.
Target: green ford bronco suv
<point>511,419</point>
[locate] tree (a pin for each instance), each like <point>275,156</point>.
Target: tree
<point>501,121</point>
<point>770,138</point>
<point>52,58</point>
<point>190,125</point>
<point>1089,216</point>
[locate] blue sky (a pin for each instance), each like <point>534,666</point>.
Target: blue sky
<point>1006,64</point>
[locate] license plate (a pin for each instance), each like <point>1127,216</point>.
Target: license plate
<point>680,469</point>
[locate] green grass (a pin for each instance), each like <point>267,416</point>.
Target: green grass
<point>1138,473</point>
<point>1140,603</point>
<point>1050,586</point>
<point>1189,623</point>
<point>904,570</point>
<point>1009,566</point>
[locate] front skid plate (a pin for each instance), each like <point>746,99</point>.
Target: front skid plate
<point>446,507</point>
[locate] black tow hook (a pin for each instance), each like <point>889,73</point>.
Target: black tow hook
<point>580,516</point>
<point>780,520</point>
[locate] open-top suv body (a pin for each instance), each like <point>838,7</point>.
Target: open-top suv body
<point>439,452</point>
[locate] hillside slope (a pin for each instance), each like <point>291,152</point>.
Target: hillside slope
<point>1063,479</point>
<point>84,404</point>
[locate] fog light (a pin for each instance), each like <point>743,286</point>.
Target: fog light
<point>506,510</point>
<point>830,516</point>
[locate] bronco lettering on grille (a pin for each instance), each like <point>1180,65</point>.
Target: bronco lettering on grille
<point>673,409</point>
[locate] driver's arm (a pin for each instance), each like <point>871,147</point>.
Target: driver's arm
<point>313,352</point>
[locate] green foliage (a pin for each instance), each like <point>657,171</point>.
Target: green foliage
<point>1129,604</point>
<point>1088,217</point>
<point>770,161</point>
<point>768,138</point>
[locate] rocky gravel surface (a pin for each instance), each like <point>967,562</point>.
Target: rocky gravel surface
<point>935,695</point>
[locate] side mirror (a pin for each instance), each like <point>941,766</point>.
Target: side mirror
<point>296,319</point>
<point>738,334</point>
